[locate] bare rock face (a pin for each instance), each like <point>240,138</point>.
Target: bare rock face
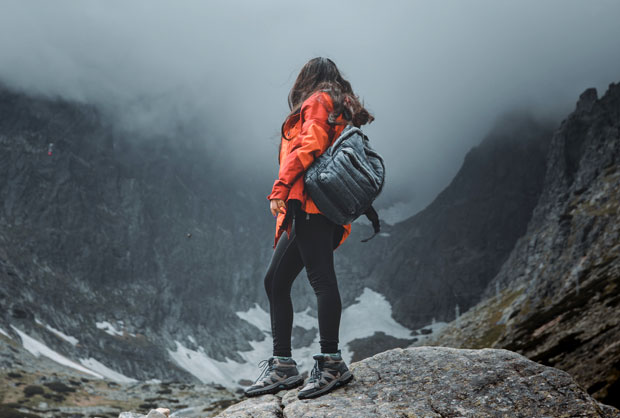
<point>555,299</point>
<point>94,228</point>
<point>439,382</point>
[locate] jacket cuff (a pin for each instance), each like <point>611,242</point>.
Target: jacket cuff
<point>279,191</point>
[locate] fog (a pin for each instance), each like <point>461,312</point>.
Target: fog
<point>435,74</point>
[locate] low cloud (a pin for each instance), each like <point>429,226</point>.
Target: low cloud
<point>435,74</point>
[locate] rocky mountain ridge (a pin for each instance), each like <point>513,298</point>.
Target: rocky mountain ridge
<point>559,299</point>
<point>101,235</point>
<point>443,257</point>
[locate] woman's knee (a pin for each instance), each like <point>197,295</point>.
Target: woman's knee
<point>268,282</point>
<point>276,258</point>
<point>284,267</point>
<point>324,284</point>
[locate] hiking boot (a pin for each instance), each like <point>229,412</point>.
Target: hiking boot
<point>329,372</point>
<point>278,373</point>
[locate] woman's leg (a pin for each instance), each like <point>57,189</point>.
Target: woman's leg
<point>285,266</point>
<point>316,239</point>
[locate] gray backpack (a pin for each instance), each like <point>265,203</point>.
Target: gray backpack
<point>345,180</point>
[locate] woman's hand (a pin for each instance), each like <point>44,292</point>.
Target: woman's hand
<point>277,206</point>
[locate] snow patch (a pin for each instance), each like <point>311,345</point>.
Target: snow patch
<point>71,340</point>
<point>108,328</point>
<point>371,313</point>
<point>208,370</point>
<point>111,329</point>
<point>305,320</point>
<point>37,349</point>
<point>3,332</point>
<point>257,317</point>
<point>229,372</point>
<point>105,371</point>
<point>89,366</point>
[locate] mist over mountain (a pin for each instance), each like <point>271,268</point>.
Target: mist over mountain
<point>436,76</point>
<point>108,229</point>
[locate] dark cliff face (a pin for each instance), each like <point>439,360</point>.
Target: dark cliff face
<point>445,255</point>
<point>98,231</point>
<point>570,259</point>
<point>559,300</point>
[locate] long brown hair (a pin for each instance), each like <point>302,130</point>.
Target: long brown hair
<point>322,74</point>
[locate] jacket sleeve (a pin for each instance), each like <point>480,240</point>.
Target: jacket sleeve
<point>311,142</point>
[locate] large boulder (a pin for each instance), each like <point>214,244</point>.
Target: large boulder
<point>439,382</point>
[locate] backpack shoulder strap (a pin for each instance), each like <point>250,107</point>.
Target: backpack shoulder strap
<point>373,217</point>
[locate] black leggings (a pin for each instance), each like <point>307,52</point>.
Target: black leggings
<point>311,244</point>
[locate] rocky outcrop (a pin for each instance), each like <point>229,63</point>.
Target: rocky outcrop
<point>439,382</point>
<point>153,413</point>
<point>556,299</point>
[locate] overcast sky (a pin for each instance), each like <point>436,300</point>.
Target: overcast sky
<point>435,73</point>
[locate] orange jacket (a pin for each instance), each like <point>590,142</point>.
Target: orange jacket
<point>309,136</point>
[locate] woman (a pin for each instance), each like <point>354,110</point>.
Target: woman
<point>321,104</point>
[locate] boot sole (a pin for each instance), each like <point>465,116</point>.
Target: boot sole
<point>290,383</point>
<point>341,381</point>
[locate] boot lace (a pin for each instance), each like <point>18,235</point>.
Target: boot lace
<point>267,366</point>
<point>315,374</point>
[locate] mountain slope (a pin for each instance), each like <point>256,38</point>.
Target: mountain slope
<point>98,232</point>
<point>556,298</point>
<point>445,255</point>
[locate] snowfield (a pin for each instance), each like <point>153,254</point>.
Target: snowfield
<point>89,366</point>
<point>371,313</point>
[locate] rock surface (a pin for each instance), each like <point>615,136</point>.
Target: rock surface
<point>439,382</point>
<point>559,302</point>
<point>153,413</point>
